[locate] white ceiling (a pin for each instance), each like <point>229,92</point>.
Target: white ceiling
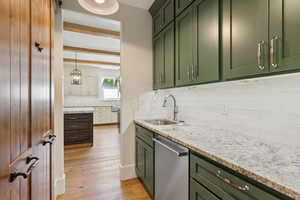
<point>75,39</point>
<point>145,4</point>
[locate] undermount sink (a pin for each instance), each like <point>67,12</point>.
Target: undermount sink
<point>160,122</point>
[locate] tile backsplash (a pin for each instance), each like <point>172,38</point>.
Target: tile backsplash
<point>267,108</point>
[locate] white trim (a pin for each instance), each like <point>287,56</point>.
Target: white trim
<point>127,172</point>
<point>60,185</point>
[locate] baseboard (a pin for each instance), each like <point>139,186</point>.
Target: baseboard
<point>127,172</point>
<point>60,185</point>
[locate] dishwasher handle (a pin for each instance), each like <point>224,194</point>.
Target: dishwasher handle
<point>178,153</point>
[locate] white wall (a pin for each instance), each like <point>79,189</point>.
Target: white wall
<point>267,108</point>
<point>90,92</point>
<point>58,73</point>
<point>136,72</point>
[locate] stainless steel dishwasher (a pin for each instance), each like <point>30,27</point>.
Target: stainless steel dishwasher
<point>171,170</point>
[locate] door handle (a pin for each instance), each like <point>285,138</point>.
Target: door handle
<point>13,176</point>
<point>38,46</point>
<point>49,139</point>
<point>229,182</point>
<point>260,55</point>
<point>179,154</point>
<point>193,74</point>
<point>274,51</point>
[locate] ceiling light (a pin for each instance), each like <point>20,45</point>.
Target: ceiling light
<point>99,1</point>
<point>100,7</point>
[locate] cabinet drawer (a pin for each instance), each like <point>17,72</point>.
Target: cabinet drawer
<point>198,192</point>
<point>144,135</point>
<point>78,117</point>
<point>77,125</point>
<point>225,184</point>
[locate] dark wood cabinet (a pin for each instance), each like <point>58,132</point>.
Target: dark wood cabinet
<point>78,128</point>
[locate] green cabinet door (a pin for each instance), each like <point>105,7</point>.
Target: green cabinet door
<point>157,23</point>
<point>167,11</point>
<point>180,5</point>
<point>206,68</point>
<point>186,44</point>
<point>149,169</point>
<point>284,35</point>
<point>198,192</point>
<point>169,57</point>
<point>158,62</point>
<point>139,158</point>
<point>245,38</point>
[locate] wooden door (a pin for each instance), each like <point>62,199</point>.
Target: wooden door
<point>157,23</point>
<point>139,158</point>
<point>41,96</point>
<point>284,35</point>
<point>245,38</point>
<point>149,168</point>
<point>186,44</point>
<point>206,68</point>
<point>15,143</point>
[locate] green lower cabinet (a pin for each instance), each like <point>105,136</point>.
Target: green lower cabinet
<point>199,192</point>
<point>144,155</point>
<point>224,184</point>
<point>284,35</point>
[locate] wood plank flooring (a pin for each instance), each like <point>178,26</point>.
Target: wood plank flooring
<point>92,173</point>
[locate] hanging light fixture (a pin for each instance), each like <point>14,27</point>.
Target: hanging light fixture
<point>100,7</point>
<point>76,73</point>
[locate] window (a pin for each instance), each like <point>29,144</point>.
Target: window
<point>110,89</point>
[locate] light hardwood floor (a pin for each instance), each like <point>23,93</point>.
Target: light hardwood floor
<point>92,173</point>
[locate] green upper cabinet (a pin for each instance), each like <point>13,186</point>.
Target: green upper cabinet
<point>157,23</point>
<point>197,43</point>
<point>164,58</point>
<point>158,61</point>
<point>167,12</point>
<point>284,35</point>
<point>186,45</point>
<point>163,16</point>
<point>207,63</point>
<point>180,5</point>
<point>245,38</point>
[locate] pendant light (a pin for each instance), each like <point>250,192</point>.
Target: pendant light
<point>100,7</point>
<point>76,74</point>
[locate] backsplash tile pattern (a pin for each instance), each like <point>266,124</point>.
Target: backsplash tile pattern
<point>267,108</point>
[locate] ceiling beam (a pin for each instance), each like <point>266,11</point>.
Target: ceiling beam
<point>91,30</point>
<point>93,51</point>
<point>91,62</point>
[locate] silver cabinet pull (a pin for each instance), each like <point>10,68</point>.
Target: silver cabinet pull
<point>188,72</point>
<point>229,182</point>
<point>193,74</point>
<point>273,51</point>
<point>260,55</point>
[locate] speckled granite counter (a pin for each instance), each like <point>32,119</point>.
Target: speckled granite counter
<point>79,110</point>
<point>273,165</point>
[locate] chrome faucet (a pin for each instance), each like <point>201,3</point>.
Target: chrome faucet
<point>175,105</point>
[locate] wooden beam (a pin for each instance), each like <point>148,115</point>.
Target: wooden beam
<point>93,51</point>
<point>91,62</point>
<point>91,30</point>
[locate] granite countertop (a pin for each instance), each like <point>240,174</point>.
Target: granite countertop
<point>274,165</point>
<point>79,110</point>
